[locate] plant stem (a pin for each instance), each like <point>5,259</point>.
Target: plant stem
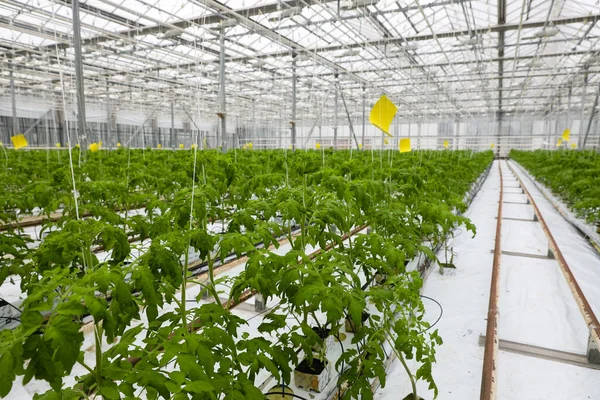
<point>183,289</point>
<point>98,341</point>
<point>410,376</point>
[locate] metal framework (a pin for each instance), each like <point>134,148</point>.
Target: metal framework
<point>243,60</point>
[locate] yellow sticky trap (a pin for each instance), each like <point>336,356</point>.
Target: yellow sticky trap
<point>385,141</point>
<point>159,146</point>
<point>404,145</point>
<point>58,145</point>
<point>250,145</point>
<point>181,146</point>
<point>383,113</point>
<point>244,147</point>
<point>99,144</point>
<point>93,147</point>
<point>560,141</point>
<point>1,144</point>
<point>574,145</point>
<point>19,141</point>
<point>445,144</point>
<point>318,146</point>
<point>195,146</point>
<point>77,145</point>
<point>360,145</point>
<point>492,146</point>
<point>566,134</point>
<point>118,144</point>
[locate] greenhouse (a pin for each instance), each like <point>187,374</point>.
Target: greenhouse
<point>299,199</point>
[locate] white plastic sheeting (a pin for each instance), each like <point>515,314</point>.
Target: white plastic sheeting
<point>536,307</point>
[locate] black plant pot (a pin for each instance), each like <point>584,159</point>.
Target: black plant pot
<point>350,325</point>
<point>313,376</point>
<point>279,392</point>
<point>324,334</point>
<point>412,397</point>
<point>447,269</point>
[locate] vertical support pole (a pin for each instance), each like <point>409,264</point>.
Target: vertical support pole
<point>13,98</point>
<point>557,115</point>
<point>569,108</point>
<point>592,115</point>
<point>60,119</point>
<point>501,36</point>
<point>108,118</point>
<point>293,121</point>
<point>456,133</point>
<point>78,69</point>
<point>279,133</point>
<point>155,130</point>
<point>335,115</point>
<point>254,119</point>
<point>364,115</point>
<point>419,134</point>
<point>547,126</point>
<point>173,126</point>
<point>223,111</point>
<point>581,122</point>
<point>499,133</point>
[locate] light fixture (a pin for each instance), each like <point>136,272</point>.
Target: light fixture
<point>405,48</point>
<point>548,31</point>
<point>352,4</point>
<point>228,23</point>
<point>349,53</point>
<point>172,33</point>
<point>287,13</point>
<point>532,64</point>
<point>472,41</point>
<point>478,68</point>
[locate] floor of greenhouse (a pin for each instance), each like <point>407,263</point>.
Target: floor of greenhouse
<point>535,303</point>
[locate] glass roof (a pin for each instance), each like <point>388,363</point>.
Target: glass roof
<point>431,57</point>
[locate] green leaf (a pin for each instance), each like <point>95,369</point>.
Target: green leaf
<point>109,390</point>
<point>199,387</point>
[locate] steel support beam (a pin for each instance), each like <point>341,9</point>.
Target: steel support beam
<point>13,99</point>
<point>335,115</point>
<point>141,127</point>
<point>173,140</point>
<point>37,121</point>
<point>317,119</point>
<point>222,99</point>
<point>200,132</point>
<point>500,27</point>
<point>501,22</point>
<point>108,117</point>
<point>293,121</point>
<point>349,119</point>
<point>364,118</point>
<point>557,118</point>
<point>59,118</point>
<point>81,120</point>
<point>592,115</point>
<point>582,115</point>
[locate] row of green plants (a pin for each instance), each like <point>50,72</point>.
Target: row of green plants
<point>573,176</point>
<point>198,350</point>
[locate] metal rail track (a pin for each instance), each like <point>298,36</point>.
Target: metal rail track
<point>489,389</point>
<point>584,306</point>
<point>489,376</point>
